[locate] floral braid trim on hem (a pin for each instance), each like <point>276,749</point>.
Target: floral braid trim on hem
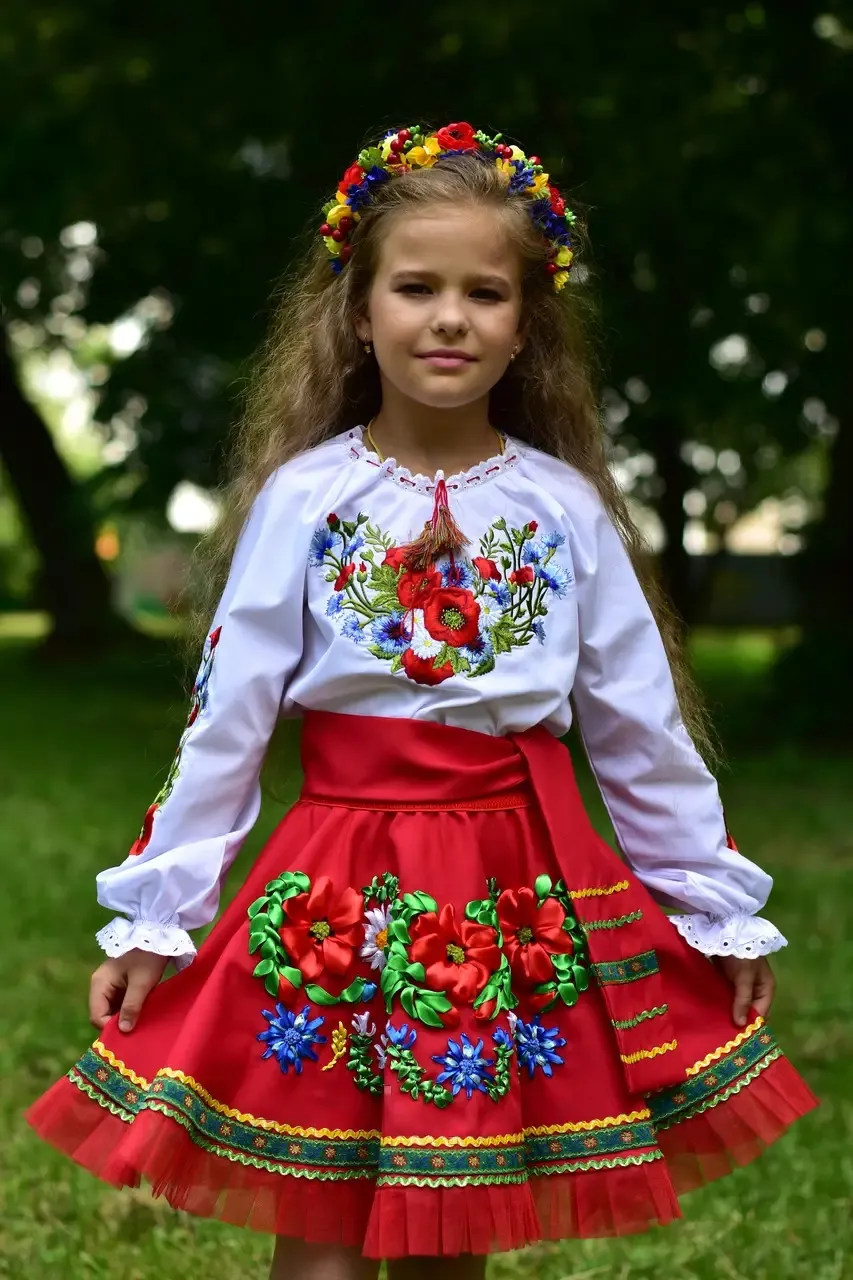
<point>725,1077</point>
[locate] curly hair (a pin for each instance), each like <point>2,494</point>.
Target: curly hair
<point>313,380</point>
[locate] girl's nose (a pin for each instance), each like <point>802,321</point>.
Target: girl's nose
<point>449,316</point>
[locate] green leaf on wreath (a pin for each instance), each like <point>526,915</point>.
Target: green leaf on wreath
<point>580,977</point>
<point>257,905</point>
<point>489,992</point>
<point>502,635</point>
<point>416,972</point>
<point>270,948</point>
<point>297,880</point>
<point>542,886</point>
<point>384,578</point>
<point>397,960</point>
<point>255,941</point>
<point>376,651</point>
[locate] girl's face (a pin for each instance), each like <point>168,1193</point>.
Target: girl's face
<point>444,308</point>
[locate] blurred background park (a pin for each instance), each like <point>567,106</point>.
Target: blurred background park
<point>159,165</point>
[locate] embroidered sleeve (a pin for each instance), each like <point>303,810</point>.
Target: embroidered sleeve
<point>170,882</point>
<point>662,800</point>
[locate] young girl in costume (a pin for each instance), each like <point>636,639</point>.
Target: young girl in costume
<point>442,1017</point>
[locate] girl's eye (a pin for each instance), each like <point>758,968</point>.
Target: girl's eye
<point>413,288</point>
<point>489,295</point>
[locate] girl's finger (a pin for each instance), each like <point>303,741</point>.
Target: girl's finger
<point>764,991</point>
<point>102,995</point>
<point>744,984</point>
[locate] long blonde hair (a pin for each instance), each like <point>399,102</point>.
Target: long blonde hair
<point>313,380</point>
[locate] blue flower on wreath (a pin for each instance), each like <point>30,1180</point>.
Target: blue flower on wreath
<point>553,224</point>
<point>322,540</point>
<point>392,634</point>
<point>522,178</point>
<point>352,629</point>
<point>290,1037</point>
<point>401,1035</point>
<point>536,1046</point>
<point>336,603</point>
<point>361,193</point>
<point>455,573</point>
<point>465,1067</point>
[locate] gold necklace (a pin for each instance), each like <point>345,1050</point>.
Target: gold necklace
<point>368,435</point>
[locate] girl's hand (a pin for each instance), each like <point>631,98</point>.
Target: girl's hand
<point>124,983</point>
<point>754,985</point>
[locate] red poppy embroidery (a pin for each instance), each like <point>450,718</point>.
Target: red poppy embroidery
<point>524,576</point>
<point>413,589</point>
<point>322,929</point>
<point>452,616</point>
<point>344,576</point>
<point>487,569</point>
<point>531,933</point>
<point>424,670</point>
<point>458,957</point>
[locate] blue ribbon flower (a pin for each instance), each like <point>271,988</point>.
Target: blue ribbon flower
<point>465,1067</point>
<point>290,1037</point>
<point>536,1046</point>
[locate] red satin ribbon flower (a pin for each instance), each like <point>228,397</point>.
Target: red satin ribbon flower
<point>531,934</point>
<point>458,958</point>
<point>323,928</point>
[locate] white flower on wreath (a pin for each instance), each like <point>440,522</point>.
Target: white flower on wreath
<point>376,922</point>
<point>423,644</point>
<point>490,612</point>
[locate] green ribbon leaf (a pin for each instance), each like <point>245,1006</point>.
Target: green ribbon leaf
<point>293,975</point>
<point>542,886</point>
<point>427,1014</point>
<point>568,993</point>
<point>257,905</point>
<point>263,968</point>
<point>271,983</point>
<point>407,1000</point>
<point>435,1000</point>
<point>416,972</point>
<point>318,995</point>
<point>275,915</point>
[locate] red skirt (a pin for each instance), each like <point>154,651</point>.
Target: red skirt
<point>398,1037</point>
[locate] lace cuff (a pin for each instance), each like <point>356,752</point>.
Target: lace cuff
<point>121,935</point>
<point>743,936</point>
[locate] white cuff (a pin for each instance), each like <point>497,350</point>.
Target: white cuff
<point>121,936</point>
<point>741,935</point>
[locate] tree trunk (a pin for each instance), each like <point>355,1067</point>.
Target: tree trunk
<point>677,478</point>
<point>73,586</point>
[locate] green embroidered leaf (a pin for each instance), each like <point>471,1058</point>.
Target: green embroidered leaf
<point>376,651</point>
<point>384,578</point>
<point>483,668</point>
<point>257,905</point>
<point>263,968</point>
<point>502,635</point>
<point>407,1000</point>
<point>427,1015</point>
<point>275,915</point>
<point>459,664</point>
<point>271,983</point>
<point>384,602</point>
<point>331,576</point>
<point>542,886</point>
<point>320,996</point>
<point>568,993</point>
<point>416,971</point>
<point>436,1000</point>
<point>396,664</point>
<point>294,977</point>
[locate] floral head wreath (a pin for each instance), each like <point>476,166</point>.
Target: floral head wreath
<point>410,149</point>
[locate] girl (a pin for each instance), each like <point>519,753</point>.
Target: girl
<point>442,1017</point>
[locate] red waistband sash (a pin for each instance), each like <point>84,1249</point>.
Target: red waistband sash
<point>373,762</point>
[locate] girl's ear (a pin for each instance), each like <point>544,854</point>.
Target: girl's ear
<point>363,330</point>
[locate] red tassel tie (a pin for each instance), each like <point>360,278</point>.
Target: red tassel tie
<point>441,535</point>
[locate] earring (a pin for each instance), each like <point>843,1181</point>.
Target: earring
<point>368,348</point>
<point>514,354</point>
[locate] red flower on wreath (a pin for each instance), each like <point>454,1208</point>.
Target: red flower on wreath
<point>487,569</point>
<point>531,934</point>
<point>415,586</point>
<point>424,670</point>
<point>452,615</point>
<point>522,577</point>
<point>352,177</point>
<point>558,204</point>
<point>458,958</point>
<point>323,928</point>
<point>457,137</point>
<point>344,576</point>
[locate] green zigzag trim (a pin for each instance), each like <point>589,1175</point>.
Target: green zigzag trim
<point>640,1017</point>
<point>615,922</point>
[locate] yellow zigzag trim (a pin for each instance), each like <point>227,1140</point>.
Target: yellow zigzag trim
<point>502,1140</point>
<point>597,893</point>
<point>726,1048</point>
<point>104,1052</point>
<point>582,1126</point>
<point>649,1053</point>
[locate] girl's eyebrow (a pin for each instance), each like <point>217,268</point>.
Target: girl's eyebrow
<point>408,273</point>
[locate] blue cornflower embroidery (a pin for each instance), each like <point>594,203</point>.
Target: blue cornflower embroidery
<point>322,540</point>
<point>478,650</point>
<point>539,631</point>
<point>455,573</point>
<point>534,553</point>
<point>352,629</point>
<point>392,634</point>
<point>501,593</point>
<point>353,547</point>
<point>465,1067</point>
<point>336,603</point>
<point>556,579</point>
<point>554,540</point>
<point>290,1037</point>
<point>536,1046</point>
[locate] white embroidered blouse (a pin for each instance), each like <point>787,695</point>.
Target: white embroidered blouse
<point>545,605</point>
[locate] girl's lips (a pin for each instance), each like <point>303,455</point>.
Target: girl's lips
<point>447,359</point>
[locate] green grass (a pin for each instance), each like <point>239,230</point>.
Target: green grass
<point>79,759</point>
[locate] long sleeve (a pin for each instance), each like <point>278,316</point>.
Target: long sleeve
<point>663,802</point>
<point>171,880</point>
